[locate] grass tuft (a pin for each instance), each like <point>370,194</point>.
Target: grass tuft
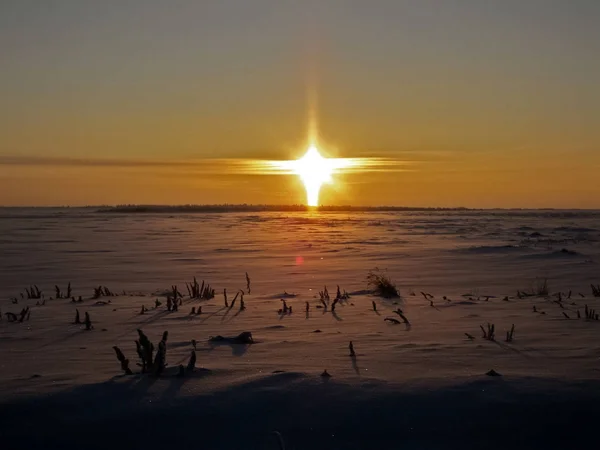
<point>541,288</point>
<point>382,284</point>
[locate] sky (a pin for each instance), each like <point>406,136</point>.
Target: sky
<point>475,103</point>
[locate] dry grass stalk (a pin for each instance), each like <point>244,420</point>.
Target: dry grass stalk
<point>490,334</point>
<point>88,322</point>
<point>590,314</point>
<point>145,350</point>
<point>208,293</point>
<point>285,309</point>
<point>175,293</point>
<point>341,294</point>
<point>33,293</point>
<point>102,291</point>
<point>201,291</point>
<point>541,288</point>
<point>20,317</point>
<point>124,361</point>
<point>382,284</point>
<point>510,334</point>
<point>403,317</point>
<point>193,288</point>
<point>160,361</point>
<point>324,295</point>
<point>191,366</point>
<point>60,294</point>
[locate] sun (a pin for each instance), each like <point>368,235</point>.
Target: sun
<point>314,171</point>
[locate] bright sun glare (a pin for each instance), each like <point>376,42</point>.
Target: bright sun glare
<point>315,170</point>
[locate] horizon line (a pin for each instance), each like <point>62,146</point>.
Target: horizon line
<point>259,207</point>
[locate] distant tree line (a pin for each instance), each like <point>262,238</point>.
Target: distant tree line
<point>259,208</point>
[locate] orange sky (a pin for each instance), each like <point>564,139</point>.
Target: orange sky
<point>482,104</point>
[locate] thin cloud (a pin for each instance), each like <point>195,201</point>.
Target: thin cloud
<point>224,166</point>
<point>80,162</point>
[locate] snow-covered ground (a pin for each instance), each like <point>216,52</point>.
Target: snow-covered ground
<point>418,386</point>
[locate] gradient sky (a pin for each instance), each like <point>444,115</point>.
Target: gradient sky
<point>485,103</point>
